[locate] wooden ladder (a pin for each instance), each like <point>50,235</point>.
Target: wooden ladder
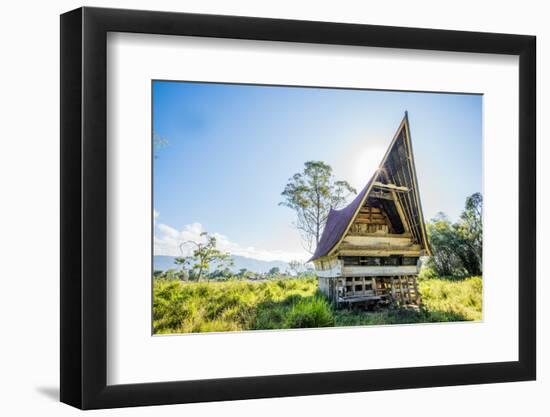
<point>404,289</point>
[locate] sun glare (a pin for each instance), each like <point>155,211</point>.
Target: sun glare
<point>366,162</point>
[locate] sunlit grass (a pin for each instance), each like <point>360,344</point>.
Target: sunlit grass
<point>458,297</point>
<point>189,307</point>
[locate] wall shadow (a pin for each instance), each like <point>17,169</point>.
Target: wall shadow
<point>50,392</point>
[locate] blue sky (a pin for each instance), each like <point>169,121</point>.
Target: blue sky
<point>232,148</point>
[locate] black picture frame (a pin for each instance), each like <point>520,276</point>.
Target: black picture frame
<point>84,207</point>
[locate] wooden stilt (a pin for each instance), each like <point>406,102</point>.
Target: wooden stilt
<point>418,299</point>
<point>408,292</point>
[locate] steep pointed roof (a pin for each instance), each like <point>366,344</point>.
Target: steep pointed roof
<point>397,167</point>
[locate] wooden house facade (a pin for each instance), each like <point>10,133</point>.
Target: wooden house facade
<point>370,251</point>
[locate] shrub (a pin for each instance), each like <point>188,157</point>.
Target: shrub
<point>313,312</point>
<point>427,273</point>
<point>270,315</point>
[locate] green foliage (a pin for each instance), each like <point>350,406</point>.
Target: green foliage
<point>170,274</point>
<point>470,228</point>
<point>453,297</point>
<point>312,193</point>
<point>204,254</point>
<point>427,273</point>
<point>274,271</point>
<point>445,242</point>
<point>382,316</point>
<point>457,248</point>
<point>221,274</point>
<point>311,312</point>
<point>186,307</point>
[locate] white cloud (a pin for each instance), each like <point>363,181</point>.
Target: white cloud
<point>168,241</point>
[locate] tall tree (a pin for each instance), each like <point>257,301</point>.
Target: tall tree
<point>203,255</point>
<point>457,248</point>
<point>445,243</point>
<point>470,229</point>
<point>312,193</point>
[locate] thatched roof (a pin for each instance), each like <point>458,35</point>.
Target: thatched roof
<point>397,167</point>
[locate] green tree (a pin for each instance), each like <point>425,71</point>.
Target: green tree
<point>183,263</point>
<point>221,274</point>
<point>312,193</point>
<point>457,248</point>
<point>470,229</point>
<point>204,254</point>
<point>170,274</point>
<point>274,271</point>
<point>444,242</point>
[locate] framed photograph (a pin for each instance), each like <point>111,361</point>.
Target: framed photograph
<point>257,208</point>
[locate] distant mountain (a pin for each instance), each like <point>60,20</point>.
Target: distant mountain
<point>163,263</point>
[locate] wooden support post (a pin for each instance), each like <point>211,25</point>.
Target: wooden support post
<point>400,287</point>
<point>418,299</point>
<point>406,289</point>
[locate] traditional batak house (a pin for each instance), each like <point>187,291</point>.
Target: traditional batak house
<point>370,251</point>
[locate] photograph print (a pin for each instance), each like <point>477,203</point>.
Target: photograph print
<point>286,207</point>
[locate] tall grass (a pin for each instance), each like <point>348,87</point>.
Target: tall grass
<point>307,313</point>
<point>185,307</point>
<point>454,297</point>
<point>180,307</point>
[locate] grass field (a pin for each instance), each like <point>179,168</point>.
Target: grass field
<point>189,307</point>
